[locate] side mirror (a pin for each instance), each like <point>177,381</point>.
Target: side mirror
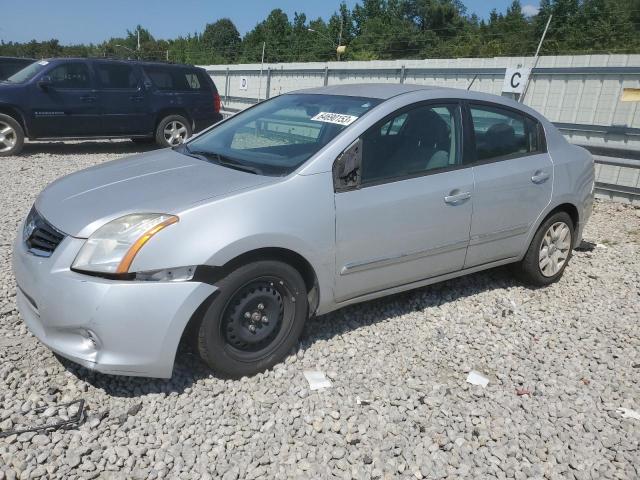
<point>45,82</point>
<point>348,167</point>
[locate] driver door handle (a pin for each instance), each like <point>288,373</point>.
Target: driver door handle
<point>457,198</point>
<point>540,177</point>
<point>88,98</point>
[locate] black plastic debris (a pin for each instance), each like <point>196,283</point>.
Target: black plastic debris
<point>586,247</point>
<point>74,421</point>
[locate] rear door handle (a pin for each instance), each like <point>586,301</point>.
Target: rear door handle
<point>457,198</point>
<point>540,177</point>
<point>136,98</point>
<point>88,98</point>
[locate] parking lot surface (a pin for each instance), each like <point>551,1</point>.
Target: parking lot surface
<point>561,363</point>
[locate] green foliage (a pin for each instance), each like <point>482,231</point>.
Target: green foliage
<point>381,29</point>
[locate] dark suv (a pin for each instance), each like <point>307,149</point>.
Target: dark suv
<point>94,98</point>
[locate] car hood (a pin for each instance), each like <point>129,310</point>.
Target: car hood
<point>163,181</point>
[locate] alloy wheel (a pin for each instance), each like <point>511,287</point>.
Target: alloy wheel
<point>554,249</point>
<point>8,137</point>
<point>175,133</point>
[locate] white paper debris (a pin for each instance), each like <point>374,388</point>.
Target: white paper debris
<point>477,378</point>
<point>628,413</point>
<point>316,379</point>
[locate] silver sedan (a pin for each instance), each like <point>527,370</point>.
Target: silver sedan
<point>298,206</point>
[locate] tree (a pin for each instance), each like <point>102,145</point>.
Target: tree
<point>222,40</point>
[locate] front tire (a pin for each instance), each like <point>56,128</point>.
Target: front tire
<point>173,131</point>
<point>255,320</point>
<point>11,136</point>
<point>549,252</point>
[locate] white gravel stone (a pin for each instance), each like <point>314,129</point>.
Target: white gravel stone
<point>399,405</point>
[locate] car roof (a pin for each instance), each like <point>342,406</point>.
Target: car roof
<point>119,60</point>
<point>386,91</point>
<point>382,91</point>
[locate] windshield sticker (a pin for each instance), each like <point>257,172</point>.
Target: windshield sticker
<point>337,118</point>
<point>43,63</point>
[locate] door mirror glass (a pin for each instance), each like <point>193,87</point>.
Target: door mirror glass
<point>347,168</point>
<point>45,82</point>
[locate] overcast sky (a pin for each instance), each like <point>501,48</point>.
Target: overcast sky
<point>89,21</point>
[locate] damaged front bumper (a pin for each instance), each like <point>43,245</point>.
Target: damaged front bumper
<point>116,327</point>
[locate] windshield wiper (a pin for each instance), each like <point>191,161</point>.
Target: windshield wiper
<point>222,160</point>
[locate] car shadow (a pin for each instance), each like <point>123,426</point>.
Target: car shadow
<point>86,147</point>
<point>189,369</point>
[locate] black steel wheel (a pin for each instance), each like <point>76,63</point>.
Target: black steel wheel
<point>255,320</point>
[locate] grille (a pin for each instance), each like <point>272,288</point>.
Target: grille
<point>41,237</point>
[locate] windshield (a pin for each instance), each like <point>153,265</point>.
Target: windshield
<point>277,136</point>
<point>27,72</point>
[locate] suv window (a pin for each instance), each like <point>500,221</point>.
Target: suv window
<point>503,133</point>
<point>113,75</point>
<point>70,75</point>
<point>175,78</point>
<point>411,143</point>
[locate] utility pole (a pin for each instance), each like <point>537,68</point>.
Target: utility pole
<point>340,36</point>
<point>138,38</point>
<point>535,61</point>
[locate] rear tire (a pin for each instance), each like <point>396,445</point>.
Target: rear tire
<point>11,136</point>
<point>549,252</point>
<point>255,320</point>
<point>172,131</point>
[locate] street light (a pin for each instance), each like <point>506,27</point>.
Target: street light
<point>126,48</point>
<point>340,49</point>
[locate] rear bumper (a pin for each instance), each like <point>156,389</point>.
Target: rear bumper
<point>115,327</point>
<point>204,123</point>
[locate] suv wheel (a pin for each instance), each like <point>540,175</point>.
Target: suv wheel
<point>549,252</point>
<point>255,320</point>
<point>11,136</point>
<point>172,130</point>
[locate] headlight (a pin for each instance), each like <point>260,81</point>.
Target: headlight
<point>112,248</point>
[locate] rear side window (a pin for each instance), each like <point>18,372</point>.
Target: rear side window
<point>70,75</point>
<point>180,79</point>
<point>116,76</point>
<point>503,133</point>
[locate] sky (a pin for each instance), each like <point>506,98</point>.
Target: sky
<point>91,21</point>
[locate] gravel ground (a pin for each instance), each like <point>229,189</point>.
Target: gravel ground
<point>561,361</point>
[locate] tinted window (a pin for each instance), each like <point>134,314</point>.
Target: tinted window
<point>70,75</point>
<point>414,142</point>
<point>175,78</point>
<point>280,134</point>
<point>502,133</point>
<point>116,75</point>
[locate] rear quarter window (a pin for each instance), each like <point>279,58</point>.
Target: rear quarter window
<point>176,79</point>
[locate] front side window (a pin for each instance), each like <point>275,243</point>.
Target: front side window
<point>279,135</point>
<point>502,133</point>
<point>70,75</point>
<point>412,143</point>
<point>116,76</point>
